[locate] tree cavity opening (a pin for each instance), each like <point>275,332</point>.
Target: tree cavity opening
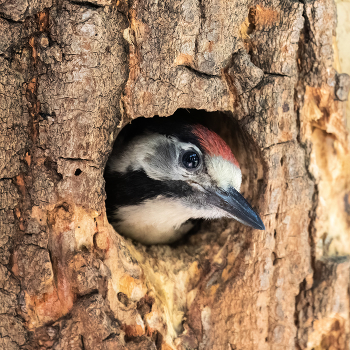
<point>246,153</point>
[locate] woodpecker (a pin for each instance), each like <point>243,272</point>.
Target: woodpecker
<point>168,173</point>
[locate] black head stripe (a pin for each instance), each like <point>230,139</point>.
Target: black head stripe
<point>135,187</point>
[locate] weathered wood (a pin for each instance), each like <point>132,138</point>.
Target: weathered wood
<point>261,74</point>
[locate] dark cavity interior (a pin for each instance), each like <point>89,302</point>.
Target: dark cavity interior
<point>212,233</point>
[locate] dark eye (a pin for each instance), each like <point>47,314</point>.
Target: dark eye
<point>190,160</point>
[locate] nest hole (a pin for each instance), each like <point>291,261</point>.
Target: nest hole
<point>213,233</point>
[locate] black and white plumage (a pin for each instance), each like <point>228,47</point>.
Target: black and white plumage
<point>169,172</point>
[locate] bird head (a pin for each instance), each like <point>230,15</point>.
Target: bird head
<point>186,164</point>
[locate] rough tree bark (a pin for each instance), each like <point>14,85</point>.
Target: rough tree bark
<point>73,73</point>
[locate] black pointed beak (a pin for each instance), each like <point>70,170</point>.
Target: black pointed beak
<point>236,206</point>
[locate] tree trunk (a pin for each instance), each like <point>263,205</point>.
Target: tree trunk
<point>261,74</point>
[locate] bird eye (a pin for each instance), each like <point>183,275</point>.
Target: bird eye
<point>190,160</point>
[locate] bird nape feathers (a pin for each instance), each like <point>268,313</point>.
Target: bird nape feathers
<point>168,172</point>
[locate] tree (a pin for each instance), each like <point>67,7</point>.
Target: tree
<point>72,75</point>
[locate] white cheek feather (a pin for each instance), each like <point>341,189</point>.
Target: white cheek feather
<point>135,153</point>
<point>223,172</point>
<point>142,154</point>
